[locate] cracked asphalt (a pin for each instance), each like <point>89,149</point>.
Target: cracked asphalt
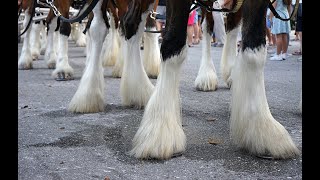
<point>55,144</point>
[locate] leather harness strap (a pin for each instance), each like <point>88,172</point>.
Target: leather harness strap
<point>83,12</point>
<point>155,5</point>
<point>33,11</point>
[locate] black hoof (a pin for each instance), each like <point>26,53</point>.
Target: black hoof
<point>153,77</point>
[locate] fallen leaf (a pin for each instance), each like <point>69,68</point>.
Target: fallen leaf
<point>211,119</point>
<point>24,107</point>
<point>214,141</point>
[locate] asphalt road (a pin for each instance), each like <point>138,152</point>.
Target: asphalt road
<point>59,145</point>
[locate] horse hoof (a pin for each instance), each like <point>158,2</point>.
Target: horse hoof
<point>52,66</point>
<point>25,67</point>
<point>63,77</point>
<point>153,76</point>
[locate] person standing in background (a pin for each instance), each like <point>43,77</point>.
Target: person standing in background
<point>161,9</point>
<point>268,30</point>
<point>280,29</point>
<point>299,27</point>
<point>196,39</point>
<point>190,28</point>
<point>271,37</point>
<point>199,22</point>
<point>219,25</point>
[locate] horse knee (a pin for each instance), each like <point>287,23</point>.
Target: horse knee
<point>65,29</point>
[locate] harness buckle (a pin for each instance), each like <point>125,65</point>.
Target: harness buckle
<point>153,14</point>
<point>54,8</point>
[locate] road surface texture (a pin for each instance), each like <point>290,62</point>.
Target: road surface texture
<point>54,144</point>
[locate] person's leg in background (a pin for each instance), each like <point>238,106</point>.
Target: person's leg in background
<point>299,30</point>
<point>160,22</point>
<point>196,29</point>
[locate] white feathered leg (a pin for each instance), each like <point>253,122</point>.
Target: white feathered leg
<point>135,87</point>
<point>51,54</point>
<point>110,49</point>
<point>106,50</point>
<point>88,47</point>
<point>25,60</point>
<point>207,79</point>
<point>229,54</point>
<point>118,67</point>
<point>81,38</point>
<point>43,40</point>
<point>72,36</point>
<point>35,40</point>
<point>151,56</point>
<point>89,96</point>
<point>63,70</point>
<point>252,126</point>
<point>160,134</point>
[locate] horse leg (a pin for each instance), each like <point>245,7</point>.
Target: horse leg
<point>89,96</point>
<point>51,54</point>
<point>43,40</point>
<point>56,44</point>
<point>252,126</point>
<point>207,79</point>
<point>88,47</point>
<point>80,37</point>
<point>25,60</point>
<point>88,42</point>
<point>110,49</point>
<point>229,51</point>
<point>35,40</point>
<point>135,86</point>
<point>73,33</point>
<point>160,134</point>
<point>63,70</point>
<point>118,67</point>
<point>151,57</point>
